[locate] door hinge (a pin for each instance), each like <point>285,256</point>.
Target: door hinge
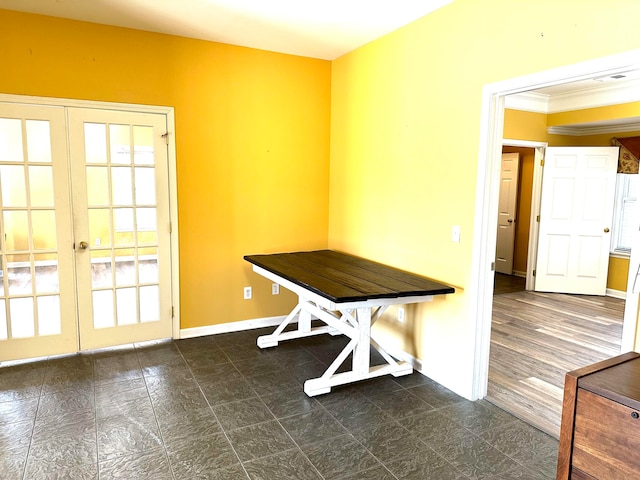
<point>170,227</point>
<point>538,218</point>
<point>534,273</point>
<point>172,312</point>
<point>165,135</point>
<point>493,266</point>
<point>542,162</point>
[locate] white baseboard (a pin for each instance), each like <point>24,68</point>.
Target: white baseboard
<point>518,273</point>
<point>231,327</point>
<point>616,293</point>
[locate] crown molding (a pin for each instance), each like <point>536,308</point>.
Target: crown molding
<point>598,96</point>
<point>583,130</point>
<point>528,102</point>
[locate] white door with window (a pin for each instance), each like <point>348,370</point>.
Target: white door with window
<point>576,210</point>
<point>86,250</point>
<point>507,205</point>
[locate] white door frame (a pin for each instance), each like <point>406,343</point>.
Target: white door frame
<point>536,195</point>
<point>487,192</point>
<point>171,153</point>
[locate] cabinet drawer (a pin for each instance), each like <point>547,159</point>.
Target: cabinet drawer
<point>606,439</point>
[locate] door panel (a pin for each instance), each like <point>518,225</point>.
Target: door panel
<point>507,205</point>
<point>578,190</point>
<point>37,284</point>
<point>121,212</point>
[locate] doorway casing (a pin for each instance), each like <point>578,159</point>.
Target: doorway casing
<point>487,194</point>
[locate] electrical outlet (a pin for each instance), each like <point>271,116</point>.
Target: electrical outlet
<point>248,293</point>
<point>401,314</point>
<point>275,289</point>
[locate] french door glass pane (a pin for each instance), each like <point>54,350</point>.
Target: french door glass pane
<point>16,230</point>
<point>148,265</point>
<point>149,304</point>
<point>122,187</point>
<point>95,143</point>
<point>103,308</point>
<point>14,191</point>
<point>11,140</point>
<point>98,192</point>
<point>4,334</point>
<point>38,141</point>
<point>44,229</point>
<point>41,186</point>
<point>123,222</point>
<point>22,320</point>
<point>19,274</point>
<point>99,227</point>
<point>145,186</point>
<point>127,308</point>
<point>49,315</point>
<point>101,273</point>
<point>125,266</point>
<point>120,144</point>
<point>46,269</point>
<point>143,145</point>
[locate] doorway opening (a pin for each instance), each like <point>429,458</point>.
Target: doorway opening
<point>482,278</point>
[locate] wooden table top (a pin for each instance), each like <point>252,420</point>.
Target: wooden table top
<point>343,278</point>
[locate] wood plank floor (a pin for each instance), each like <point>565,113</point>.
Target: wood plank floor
<point>536,338</point>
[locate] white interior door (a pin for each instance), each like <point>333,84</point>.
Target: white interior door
<point>507,205</point>
<point>37,285</point>
<point>576,210</point>
<point>121,226</point>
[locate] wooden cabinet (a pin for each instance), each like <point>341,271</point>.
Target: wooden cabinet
<point>600,430</point>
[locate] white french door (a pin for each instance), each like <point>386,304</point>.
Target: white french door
<point>576,210</point>
<point>120,184</point>
<point>37,287</point>
<point>84,224</point>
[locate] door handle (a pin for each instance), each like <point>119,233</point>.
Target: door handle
<point>606,230</point>
<point>83,245</point>
<point>510,220</point>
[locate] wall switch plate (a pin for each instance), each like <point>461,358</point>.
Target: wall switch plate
<point>455,233</point>
<point>275,289</point>
<point>248,293</point>
<point>401,314</point>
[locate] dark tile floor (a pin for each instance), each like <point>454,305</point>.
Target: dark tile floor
<point>220,408</point>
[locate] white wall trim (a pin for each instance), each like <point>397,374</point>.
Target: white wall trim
<point>583,130</point>
<point>616,293</point>
<point>487,189</point>
<point>596,96</point>
<point>507,142</point>
<point>528,102</point>
<point>231,327</point>
<point>70,102</point>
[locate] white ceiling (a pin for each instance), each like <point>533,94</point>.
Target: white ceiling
<point>323,29</point>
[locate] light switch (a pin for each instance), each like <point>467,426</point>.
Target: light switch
<point>455,233</point>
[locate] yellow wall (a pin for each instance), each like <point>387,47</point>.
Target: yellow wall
<point>521,125</point>
<point>405,139</point>
<point>252,139</point>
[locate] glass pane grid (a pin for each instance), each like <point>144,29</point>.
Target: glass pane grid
<point>29,284</point>
<point>123,229</point>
